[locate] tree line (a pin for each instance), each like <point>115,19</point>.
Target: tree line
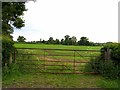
<point>67,40</point>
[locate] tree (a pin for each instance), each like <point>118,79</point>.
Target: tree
<point>57,41</point>
<point>21,39</point>
<point>40,40</point>
<point>69,41</point>
<point>43,41</point>
<point>83,41</point>
<point>66,39</point>
<point>11,12</point>
<point>11,17</point>
<point>51,41</point>
<point>62,41</point>
<point>91,43</point>
<point>74,39</point>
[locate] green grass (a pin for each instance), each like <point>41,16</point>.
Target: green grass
<point>79,56</point>
<point>37,80</point>
<point>59,81</point>
<point>46,46</point>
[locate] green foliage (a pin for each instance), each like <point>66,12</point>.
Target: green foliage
<point>51,41</point>
<point>11,71</point>
<point>11,12</point>
<point>85,41</point>
<point>108,68</point>
<point>11,17</point>
<point>67,40</point>
<point>21,39</point>
<point>57,41</point>
<point>18,68</point>
<point>7,49</point>
<point>115,54</point>
<point>115,51</point>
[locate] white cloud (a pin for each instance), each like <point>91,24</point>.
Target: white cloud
<point>95,19</point>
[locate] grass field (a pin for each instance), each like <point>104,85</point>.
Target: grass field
<point>46,46</point>
<point>63,58</point>
<point>37,80</point>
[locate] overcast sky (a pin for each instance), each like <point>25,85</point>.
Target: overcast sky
<point>95,19</point>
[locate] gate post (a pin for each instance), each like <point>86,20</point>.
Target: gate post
<point>107,54</point>
<point>14,57</point>
<point>74,61</point>
<point>44,59</point>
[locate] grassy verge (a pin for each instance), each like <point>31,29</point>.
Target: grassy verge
<point>59,81</point>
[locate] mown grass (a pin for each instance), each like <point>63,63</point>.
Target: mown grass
<point>37,80</point>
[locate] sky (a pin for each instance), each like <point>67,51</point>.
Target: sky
<point>95,19</point>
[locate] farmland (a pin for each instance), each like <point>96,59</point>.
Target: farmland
<point>47,46</point>
<point>56,57</point>
<point>41,80</point>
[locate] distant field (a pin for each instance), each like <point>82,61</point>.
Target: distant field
<point>45,46</point>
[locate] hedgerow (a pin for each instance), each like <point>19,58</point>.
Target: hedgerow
<point>108,68</point>
<point>7,49</point>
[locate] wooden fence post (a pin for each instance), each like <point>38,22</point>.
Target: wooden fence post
<point>14,57</point>
<point>107,54</point>
<point>74,61</point>
<point>10,59</point>
<point>44,58</point>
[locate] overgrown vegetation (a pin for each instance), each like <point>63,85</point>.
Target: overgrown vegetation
<point>108,68</point>
<point>15,69</point>
<point>10,72</point>
<point>7,50</point>
<point>11,18</point>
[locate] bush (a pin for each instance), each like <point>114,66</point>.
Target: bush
<point>108,68</point>
<point>115,52</point>
<point>7,49</point>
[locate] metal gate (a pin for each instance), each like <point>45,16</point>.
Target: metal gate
<point>55,61</point>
